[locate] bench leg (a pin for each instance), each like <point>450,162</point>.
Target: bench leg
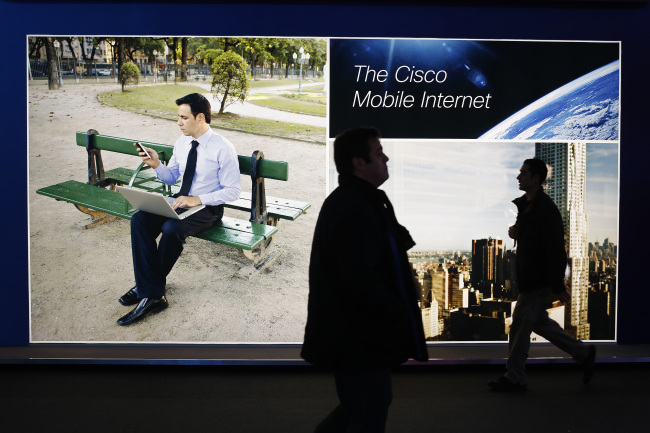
<point>260,262</point>
<point>97,217</point>
<point>259,253</point>
<point>261,257</point>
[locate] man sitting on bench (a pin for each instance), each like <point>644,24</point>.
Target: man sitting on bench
<point>209,168</point>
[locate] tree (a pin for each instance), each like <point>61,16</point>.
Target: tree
<point>35,45</point>
<point>52,65</point>
<point>204,51</point>
<point>172,45</point>
<point>95,44</point>
<point>318,52</point>
<point>256,50</point>
<point>208,55</point>
<point>129,73</point>
<point>230,81</point>
<point>145,45</point>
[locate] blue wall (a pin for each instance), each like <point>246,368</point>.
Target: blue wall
<point>557,20</point>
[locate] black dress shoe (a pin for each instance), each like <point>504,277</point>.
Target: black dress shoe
<point>143,309</point>
<point>130,298</point>
<point>503,384</point>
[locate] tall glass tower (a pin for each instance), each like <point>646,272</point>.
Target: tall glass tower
<point>566,185</point>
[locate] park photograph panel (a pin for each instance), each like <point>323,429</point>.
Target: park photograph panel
<point>242,282</point>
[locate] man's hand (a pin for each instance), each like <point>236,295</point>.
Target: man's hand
<point>513,232</point>
<point>186,202</point>
<point>152,162</point>
<point>563,297</point>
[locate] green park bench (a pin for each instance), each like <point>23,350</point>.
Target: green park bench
<point>99,199</point>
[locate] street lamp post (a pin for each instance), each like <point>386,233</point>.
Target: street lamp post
<point>302,59</point>
<point>155,66</point>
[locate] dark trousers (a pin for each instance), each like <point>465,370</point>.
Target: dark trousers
<point>364,396</point>
<point>530,316</point>
<point>152,262</point>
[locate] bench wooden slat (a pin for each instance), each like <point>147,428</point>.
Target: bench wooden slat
<point>276,207</point>
<point>82,194</point>
<point>269,169</point>
<point>124,145</point>
<point>301,206</point>
<point>123,175</point>
<point>231,231</point>
<point>238,233</point>
<point>145,180</point>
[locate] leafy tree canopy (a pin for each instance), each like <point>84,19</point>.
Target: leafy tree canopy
<point>230,79</point>
<point>129,74</point>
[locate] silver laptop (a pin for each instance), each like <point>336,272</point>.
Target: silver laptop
<point>155,203</point>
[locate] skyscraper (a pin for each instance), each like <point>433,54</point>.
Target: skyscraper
<point>487,261</point>
<point>440,287</point>
<point>566,185</point>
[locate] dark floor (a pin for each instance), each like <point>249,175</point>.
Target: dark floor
<point>293,398</point>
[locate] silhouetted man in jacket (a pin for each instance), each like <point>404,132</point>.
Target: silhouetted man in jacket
<point>363,315</point>
<point>541,265</point>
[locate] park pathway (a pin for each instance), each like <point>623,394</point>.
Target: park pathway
<point>253,110</point>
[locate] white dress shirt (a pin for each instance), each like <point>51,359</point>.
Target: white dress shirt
<point>216,179</point>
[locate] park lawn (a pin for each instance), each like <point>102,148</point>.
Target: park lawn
<point>310,88</point>
<point>155,99</point>
<point>304,103</point>
<point>254,125</point>
<point>159,100</point>
<point>258,84</point>
<point>315,98</point>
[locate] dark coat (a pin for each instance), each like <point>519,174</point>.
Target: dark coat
<point>541,253</point>
<point>355,314</point>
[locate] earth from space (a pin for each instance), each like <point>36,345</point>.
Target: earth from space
<point>584,109</point>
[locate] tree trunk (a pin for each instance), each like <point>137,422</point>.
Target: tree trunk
<point>184,59</point>
<point>223,100</point>
<point>119,48</point>
<point>52,65</point>
<point>174,58</point>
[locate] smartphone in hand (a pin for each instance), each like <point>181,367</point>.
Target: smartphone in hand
<point>142,149</point>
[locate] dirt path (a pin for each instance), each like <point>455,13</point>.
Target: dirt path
<point>78,275</point>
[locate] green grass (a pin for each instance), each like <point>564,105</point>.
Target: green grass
<point>307,97</point>
<point>257,84</point>
<point>276,128</point>
<point>304,103</point>
<point>159,100</point>
<point>151,99</point>
<point>309,87</point>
